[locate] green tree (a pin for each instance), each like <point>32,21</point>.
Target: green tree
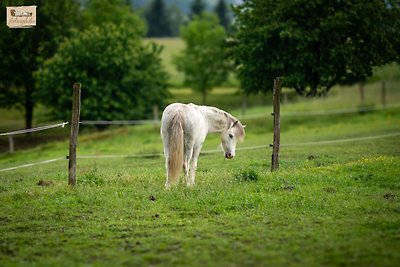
<point>203,61</point>
<point>313,44</point>
<point>121,78</point>
<point>103,12</point>
<point>157,20</point>
<point>197,7</point>
<point>23,50</point>
<point>222,12</point>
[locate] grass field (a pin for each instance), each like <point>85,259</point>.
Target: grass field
<point>330,204</point>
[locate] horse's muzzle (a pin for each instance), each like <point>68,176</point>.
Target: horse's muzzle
<point>228,155</point>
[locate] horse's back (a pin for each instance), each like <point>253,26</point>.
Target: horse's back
<point>171,110</point>
<point>192,120</point>
<point>169,114</point>
<point>188,112</point>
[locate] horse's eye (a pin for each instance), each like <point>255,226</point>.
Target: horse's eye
<point>230,135</point>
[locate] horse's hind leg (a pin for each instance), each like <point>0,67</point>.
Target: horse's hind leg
<point>193,165</point>
<point>167,182</point>
<point>186,164</point>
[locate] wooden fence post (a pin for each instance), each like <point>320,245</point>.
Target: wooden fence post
<point>277,124</point>
<point>11,143</point>
<point>76,109</point>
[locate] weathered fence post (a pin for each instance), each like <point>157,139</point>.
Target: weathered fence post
<point>11,143</point>
<point>383,93</point>
<point>277,124</point>
<point>76,108</point>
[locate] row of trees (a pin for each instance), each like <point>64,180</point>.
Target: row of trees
<point>166,21</point>
<point>313,44</point>
<point>98,44</point>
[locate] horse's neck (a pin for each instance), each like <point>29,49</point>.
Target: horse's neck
<point>217,119</point>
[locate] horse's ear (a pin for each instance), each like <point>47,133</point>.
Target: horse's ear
<point>233,124</point>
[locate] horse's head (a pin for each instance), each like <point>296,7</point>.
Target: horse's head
<point>230,136</point>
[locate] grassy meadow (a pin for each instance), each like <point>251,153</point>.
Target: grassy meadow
<point>334,203</point>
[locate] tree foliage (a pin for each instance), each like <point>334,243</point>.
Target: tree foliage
<point>157,20</point>
<point>204,60</point>
<point>121,78</point>
<point>103,12</point>
<point>314,44</point>
<point>23,50</point>
<point>197,7</point>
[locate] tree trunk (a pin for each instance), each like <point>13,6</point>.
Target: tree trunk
<point>29,105</point>
<point>313,92</point>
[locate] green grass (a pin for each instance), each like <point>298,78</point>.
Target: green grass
<point>339,214</point>
<point>329,205</point>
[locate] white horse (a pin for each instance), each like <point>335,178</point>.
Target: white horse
<point>183,131</point>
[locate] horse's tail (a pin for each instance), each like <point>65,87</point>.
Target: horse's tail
<point>175,153</point>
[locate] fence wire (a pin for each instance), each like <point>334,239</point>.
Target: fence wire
<point>249,116</point>
<point>154,155</point>
<point>37,129</point>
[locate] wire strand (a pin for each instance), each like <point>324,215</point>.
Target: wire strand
<point>153,155</point>
<point>31,130</point>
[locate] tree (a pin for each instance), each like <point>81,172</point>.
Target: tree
<point>176,19</point>
<point>197,8</point>
<point>203,61</point>
<point>121,78</point>
<point>23,50</point>
<point>313,44</point>
<point>103,12</point>
<point>157,20</point>
<point>222,12</point>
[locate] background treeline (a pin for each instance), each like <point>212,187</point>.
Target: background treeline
<point>100,44</point>
<point>313,44</point>
<point>165,17</point>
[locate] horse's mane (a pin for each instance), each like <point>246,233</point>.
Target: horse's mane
<point>230,119</point>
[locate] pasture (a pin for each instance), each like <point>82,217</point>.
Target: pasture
<point>333,203</point>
